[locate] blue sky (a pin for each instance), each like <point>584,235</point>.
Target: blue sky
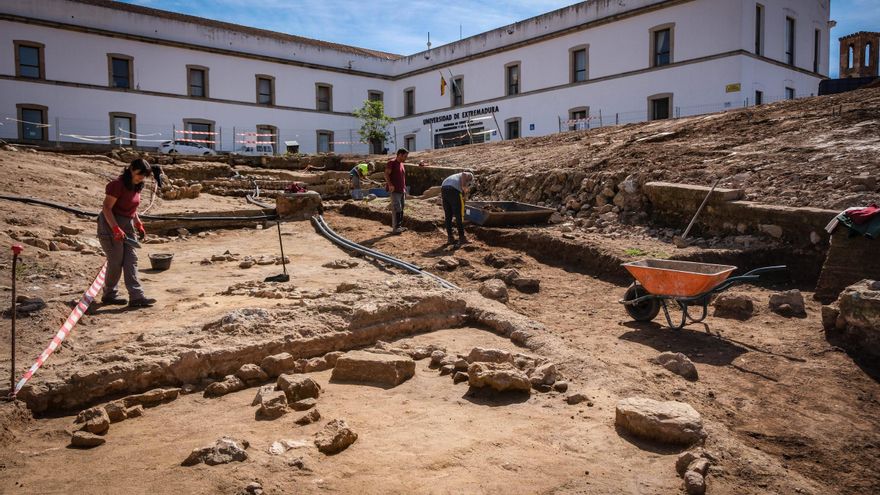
<point>402,27</point>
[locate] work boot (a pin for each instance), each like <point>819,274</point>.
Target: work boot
<point>113,301</point>
<point>142,303</point>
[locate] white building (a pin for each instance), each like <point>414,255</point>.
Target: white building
<point>88,70</point>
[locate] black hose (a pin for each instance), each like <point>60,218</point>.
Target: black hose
<point>325,229</point>
<point>78,211</point>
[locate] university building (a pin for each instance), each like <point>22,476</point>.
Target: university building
<point>100,71</point>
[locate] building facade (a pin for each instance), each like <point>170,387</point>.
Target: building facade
<point>101,71</point>
<point>858,55</point>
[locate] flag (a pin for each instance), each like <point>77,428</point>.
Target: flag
<point>442,85</point>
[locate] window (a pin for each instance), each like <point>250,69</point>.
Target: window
<point>29,59</point>
<point>325,141</point>
<point>267,134</point>
<point>122,128</point>
<point>265,89</point>
<point>759,29</point>
<point>868,48</point>
<point>578,64</point>
<point>120,67</point>
<point>817,38</point>
<point>197,81</point>
<point>324,97</point>
<point>577,118</point>
<point>375,95</point>
<point>850,55</point>
<point>659,106</point>
<point>789,93</point>
<point>409,142</point>
<point>458,91</point>
<point>409,101</point>
<point>759,97</point>
<point>32,125</point>
<point>512,128</point>
<point>200,131</point>
<point>511,78</point>
<point>789,41</point>
<point>662,45</point>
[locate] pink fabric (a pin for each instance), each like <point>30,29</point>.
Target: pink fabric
<point>864,215</point>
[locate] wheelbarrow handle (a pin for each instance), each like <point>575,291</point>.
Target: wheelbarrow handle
<point>767,269</point>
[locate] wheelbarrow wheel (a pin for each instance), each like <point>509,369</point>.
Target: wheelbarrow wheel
<point>643,311</point>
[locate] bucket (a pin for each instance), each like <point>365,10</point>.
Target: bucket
<point>160,261</point>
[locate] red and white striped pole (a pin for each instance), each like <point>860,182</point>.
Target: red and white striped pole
<point>16,250</point>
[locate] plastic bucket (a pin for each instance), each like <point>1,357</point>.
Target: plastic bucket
<point>160,261</point>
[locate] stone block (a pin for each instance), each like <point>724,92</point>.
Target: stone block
<point>378,369</point>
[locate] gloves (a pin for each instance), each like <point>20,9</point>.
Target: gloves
<point>118,234</point>
<point>140,228</point>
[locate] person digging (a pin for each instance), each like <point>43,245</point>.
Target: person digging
<point>453,191</point>
<point>117,223</point>
<point>358,174</point>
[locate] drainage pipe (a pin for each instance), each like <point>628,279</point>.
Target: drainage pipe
<point>325,229</point>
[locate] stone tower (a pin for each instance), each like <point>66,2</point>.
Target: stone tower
<point>858,54</point>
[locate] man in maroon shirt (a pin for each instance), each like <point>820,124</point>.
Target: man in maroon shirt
<point>395,180</point>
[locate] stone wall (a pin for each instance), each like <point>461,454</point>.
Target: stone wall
<point>849,260</point>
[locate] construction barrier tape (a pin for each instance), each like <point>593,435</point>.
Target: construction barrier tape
<point>66,328</point>
<point>254,134</point>
<point>197,132</point>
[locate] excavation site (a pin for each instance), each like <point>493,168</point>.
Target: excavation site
<point>676,306</point>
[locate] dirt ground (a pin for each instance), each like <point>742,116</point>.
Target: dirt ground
<point>786,410</point>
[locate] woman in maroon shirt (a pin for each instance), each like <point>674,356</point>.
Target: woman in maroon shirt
<point>118,220</point>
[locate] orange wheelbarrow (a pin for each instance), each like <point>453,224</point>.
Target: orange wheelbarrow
<point>658,282</point>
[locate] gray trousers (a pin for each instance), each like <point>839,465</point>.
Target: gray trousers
<point>397,204</point>
<point>122,259</point>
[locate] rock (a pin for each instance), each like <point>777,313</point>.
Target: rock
<point>527,285</point>
<point>481,355</point>
<point>272,406</point>
<point>436,358</point>
<point>774,231</point>
<point>303,405</point>
<point>224,451</point>
<point>677,363</point>
<point>93,420</point>
<point>830,314</point>
<point>860,317</point>
<point>67,230</point>
<point>254,488</point>
<point>498,376</point>
<point>694,483</point>
<point>228,385</point>
<point>151,397</point>
<point>86,440</point>
<point>460,364</point>
<point>182,232</point>
<point>26,305</point>
<point>331,357</point>
<point>116,411</point>
<point>500,261</point>
<point>134,412</point>
<point>282,446</point>
<point>37,243</point>
<point>685,459</point>
<point>544,374</point>
<point>335,437</point>
<point>420,353</point>
<point>263,393</point>
<point>560,386</point>
<point>387,370</point>
<point>459,377</point>
<point>278,364</point>
<point>246,264</point>
<point>700,465</point>
<point>298,387</point>
<point>788,303</point>
<point>447,264</point>
<point>316,364</point>
<point>251,374</point>
<point>575,399</point>
<point>494,289</point>
<point>666,422</point>
<point>447,369</point>
<point>736,306</point>
<point>340,264</point>
<point>308,418</point>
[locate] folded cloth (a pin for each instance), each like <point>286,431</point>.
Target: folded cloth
<point>864,215</point>
<point>870,230</point>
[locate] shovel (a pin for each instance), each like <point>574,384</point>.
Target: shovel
<point>132,241</point>
<point>281,277</point>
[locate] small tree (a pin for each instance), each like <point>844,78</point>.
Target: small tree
<point>375,123</point>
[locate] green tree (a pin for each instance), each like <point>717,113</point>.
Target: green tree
<point>374,128</point>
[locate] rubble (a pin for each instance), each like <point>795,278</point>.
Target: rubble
<point>494,289</point>
<point>501,377</point>
<point>224,451</point>
<point>736,306</point>
<point>229,384</point>
<point>93,420</point>
<point>677,363</point>
<point>298,387</point>
<point>788,303</point>
<point>86,440</point>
